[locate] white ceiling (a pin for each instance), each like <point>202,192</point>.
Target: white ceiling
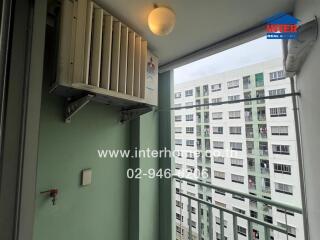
<point>199,22</point>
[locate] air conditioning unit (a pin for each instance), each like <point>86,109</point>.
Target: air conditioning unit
<point>296,50</point>
<point>101,56</point>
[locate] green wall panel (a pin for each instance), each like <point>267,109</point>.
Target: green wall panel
<point>167,205</point>
<point>149,187</point>
<point>100,210</point>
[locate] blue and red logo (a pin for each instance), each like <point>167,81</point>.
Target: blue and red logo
<point>282,26</point>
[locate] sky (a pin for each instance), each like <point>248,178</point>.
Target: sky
<point>256,51</point>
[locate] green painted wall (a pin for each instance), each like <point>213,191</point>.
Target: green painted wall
<point>149,187</point>
<point>112,207</point>
<point>144,192</point>
<point>167,192</point>
<point>100,210</point>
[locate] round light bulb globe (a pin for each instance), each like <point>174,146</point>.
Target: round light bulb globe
<point>161,21</point>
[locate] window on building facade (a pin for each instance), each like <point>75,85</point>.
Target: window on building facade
<point>198,94</point>
<point>234,98</point>
<point>235,130</point>
<point>216,87</point>
<point>242,231</point>
<point>177,95</point>
<point>260,94</point>
<point>189,130</point>
<point>276,92</point>
<point>267,219</point>
<point>205,90</point>
<point>234,114</point>
<point>178,118</point>
<point>217,115</point>
<point>279,130</point>
<point>277,75</point>
<point>217,144</point>
<point>278,112</point>
<point>216,100</point>
<point>238,210</point>
<point>190,155</point>
<point>219,160</point>
<point>282,168</point>
<point>246,82</point>
<point>206,102</point>
<point>178,166</point>
<point>178,129</point>
<point>179,153</point>
<point>237,178</point>
<point>220,192</point>
<point>219,175</point>
<point>236,162</point>
<point>189,93</point>
<point>220,204</point>
<point>237,146</point>
<point>217,130</point>
<point>218,222</point>
<point>259,80</point>
<point>253,214</point>
<point>190,143</point>
<point>291,230</point>
<point>218,236</point>
<point>247,95</point>
<point>206,117</point>
<point>280,149</point>
<point>283,188</point>
<point>281,210</point>
<point>189,117</point>
<point>238,197</point>
<point>233,84</point>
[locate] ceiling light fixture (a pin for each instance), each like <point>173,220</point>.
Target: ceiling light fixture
<point>161,20</point>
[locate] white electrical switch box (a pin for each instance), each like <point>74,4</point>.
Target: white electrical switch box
<point>86,177</point>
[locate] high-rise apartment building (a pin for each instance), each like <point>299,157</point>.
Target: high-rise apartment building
<point>247,146</point>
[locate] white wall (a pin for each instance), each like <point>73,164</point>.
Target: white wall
<point>308,82</point>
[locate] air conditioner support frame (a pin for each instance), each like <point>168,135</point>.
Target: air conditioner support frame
<point>73,106</point>
<point>133,113</point>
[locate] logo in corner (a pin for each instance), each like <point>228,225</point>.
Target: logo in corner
<point>282,26</point>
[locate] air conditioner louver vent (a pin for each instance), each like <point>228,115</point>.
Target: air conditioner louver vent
<point>100,54</point>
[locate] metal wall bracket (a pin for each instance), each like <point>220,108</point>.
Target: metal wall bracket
<point>133,113</point>
<point>74,106</point>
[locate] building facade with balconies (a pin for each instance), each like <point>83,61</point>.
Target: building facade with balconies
<point>247,146</point>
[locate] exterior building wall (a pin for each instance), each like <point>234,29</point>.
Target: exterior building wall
<point>259,180</point>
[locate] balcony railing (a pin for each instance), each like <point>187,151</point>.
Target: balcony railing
<point>249,134</point>
<point>267,209</point>
<point>263,135</point>
<point>252,186</point>
<point>252,168</point>
<point>260,101</point>
<point>266,189</point>
<point>206,133</point>
<point>246,85</point>
<point>263,152</point>
<point>261,117</point>
<point>253,204</point>
<point>249,150</point>
<point>192,230</point>
<point>248,118</point>
<point>265,170</point>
